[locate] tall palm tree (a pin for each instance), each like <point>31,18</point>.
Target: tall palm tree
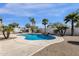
<point>45,22</point>
<point>73,18</point>
<point>1,20</point>
<point>1,24</point>
<point>32,20</point>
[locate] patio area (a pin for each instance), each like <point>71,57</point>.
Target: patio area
<point>18,46</point>
<point>69,47</point>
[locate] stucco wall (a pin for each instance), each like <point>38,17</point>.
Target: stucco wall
<point>68,32</point>
<point>76,31</point>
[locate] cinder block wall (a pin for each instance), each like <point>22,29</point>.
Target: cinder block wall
<point>76,31</point>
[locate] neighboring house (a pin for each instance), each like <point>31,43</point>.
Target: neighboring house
<point>26,30</point>
<point>17,30</point>
<point>22,29</point>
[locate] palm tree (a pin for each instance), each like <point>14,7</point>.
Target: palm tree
<point>1,20</point>
<point>14,25</point>
<point>32,20</point>
<point>6,31</point>
<point>45,22</point>
<point>73,18</point>
<point>59,28</point>
<point>27,25</point>
<point>77,24</point>
<point>1,24</point>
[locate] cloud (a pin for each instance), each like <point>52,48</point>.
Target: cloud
<point>28,5</point>
<point>30,9</point>
<point>36,9</point>
<point>22,9</point>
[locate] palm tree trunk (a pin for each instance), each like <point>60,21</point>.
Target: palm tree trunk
<point>8,34</point>
<point>33,24</point>
<point>64,31</point>
<point>72,28</point>
<point>45,28</point>
<point>4,34</point>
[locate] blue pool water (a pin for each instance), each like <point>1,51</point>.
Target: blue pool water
<point>38,37</point>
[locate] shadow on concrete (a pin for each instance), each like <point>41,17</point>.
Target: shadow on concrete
<point>1,38</point>
<point>74,42</point>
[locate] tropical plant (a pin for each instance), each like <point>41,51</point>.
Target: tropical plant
<point>55,25</point>
<point>32,20</point>
<point>6,31</point>
<point>1,24</point>
<point>73,18</point>
<point>14,25</point>
<point>34,28</point>
<point>60,28</point>
<point>45,22</point>
<point>27,25</point>
<point>77,24</point>
<point>1,20</point>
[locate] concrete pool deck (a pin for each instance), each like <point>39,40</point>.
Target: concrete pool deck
<point>18,46</point>
<point>69,47</point>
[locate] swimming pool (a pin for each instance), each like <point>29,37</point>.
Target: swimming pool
<point>38,37</point>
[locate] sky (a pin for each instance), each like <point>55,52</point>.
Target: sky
<point>20,13</point>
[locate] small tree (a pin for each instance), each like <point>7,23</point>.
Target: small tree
<point>27,26</point>
<point>14,25</point>
<point>34,28</point>
<point>60,28</point>
<point>77,24</point>
<point>6,31</point>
